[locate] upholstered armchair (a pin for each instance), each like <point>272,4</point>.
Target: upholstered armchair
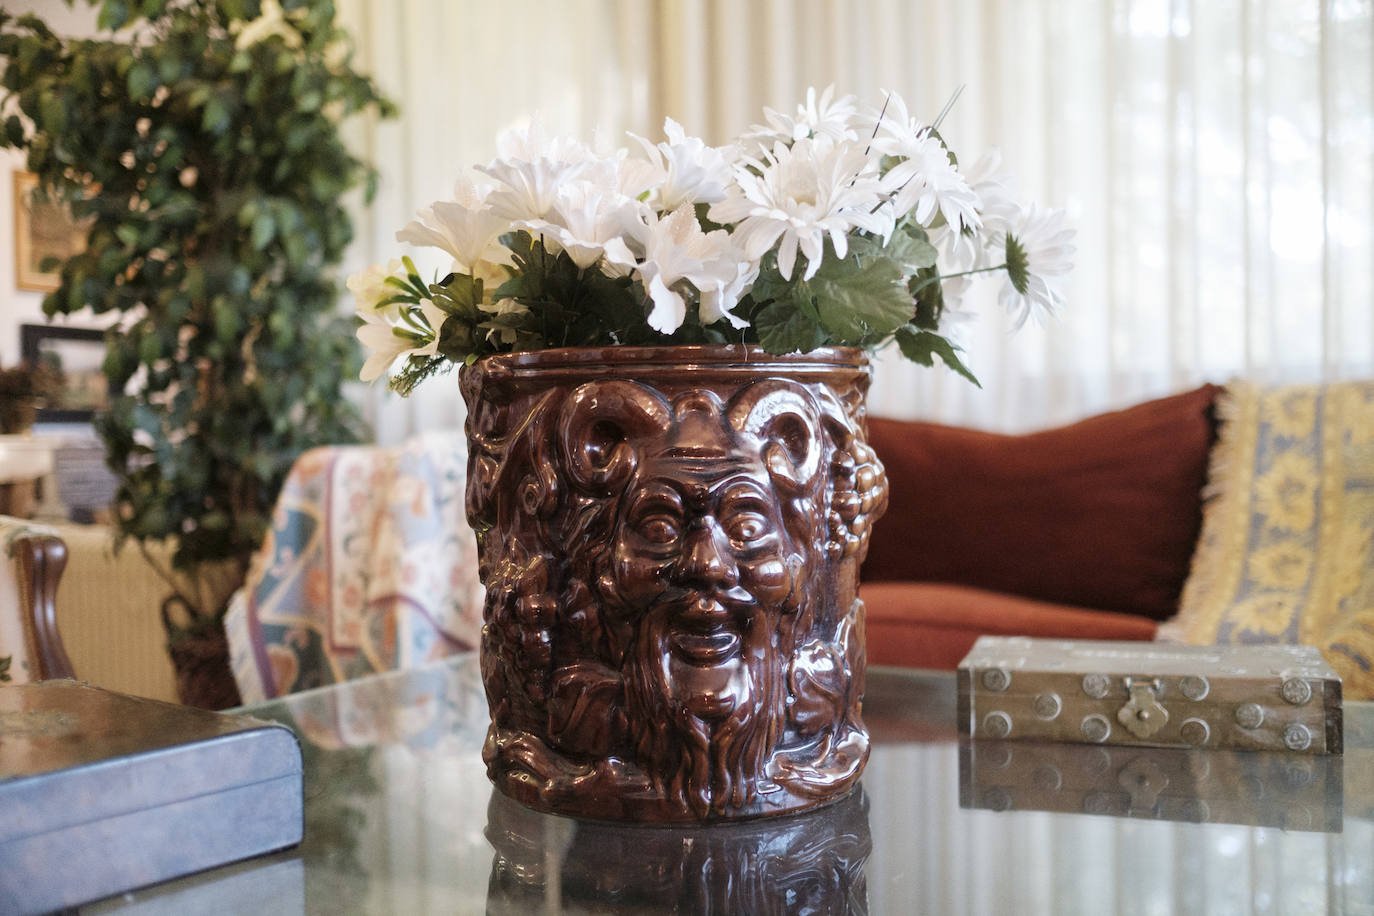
<point>30,644</point>
<point>369,565</point>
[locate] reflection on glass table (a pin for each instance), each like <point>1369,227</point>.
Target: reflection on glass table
<point>400,818</point>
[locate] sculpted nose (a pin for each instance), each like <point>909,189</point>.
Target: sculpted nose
<point>706,558</point>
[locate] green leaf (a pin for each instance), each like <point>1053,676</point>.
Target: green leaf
<point>770,285</point>
<point>240,280</point>
<point>411,286</point>
<point>227,321</point>
<point>142,81</point>
<point>925,286</point>
<point>216,119</point>
<point>908,248</point>
<point>783,328</point>
<point>264,228</point>
<point>113,15</point>
<point>14,131</point>
<point>911,252</point>
<point>859,303</point>
<point>923,346</point>
<point>53,117</point>
<point>169,69</point>
<point>459,297</point>
<point>149,349</point>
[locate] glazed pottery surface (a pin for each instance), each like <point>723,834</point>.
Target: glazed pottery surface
<point>811,863</point>
<point>670,540</point>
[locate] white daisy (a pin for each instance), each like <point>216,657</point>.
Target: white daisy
<point>530,169</point>
<point>530,142</point>
<point>675,249</point>
<point>584,217</point>
<point>687,170</point>
<point>924,181</point>
<point>466,227</point>
<point>823,117</point>
<point>388,342</point>
<point>369,288</point>
<point>796,196</point>
<point>719,299</point>
<point>1038,254</point>
<point>530,187</point>
<point>965,247</point>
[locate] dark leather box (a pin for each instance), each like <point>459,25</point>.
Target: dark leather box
<point>102,793</point>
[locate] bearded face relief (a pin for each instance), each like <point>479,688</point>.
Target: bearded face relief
<point>705,564</point>
<point>704,655</point>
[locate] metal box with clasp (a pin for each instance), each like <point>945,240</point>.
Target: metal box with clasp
<point>1276,698</point>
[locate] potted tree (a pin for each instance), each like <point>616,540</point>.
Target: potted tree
<point>202,140</point>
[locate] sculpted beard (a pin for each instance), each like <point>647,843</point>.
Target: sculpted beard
<point>708,764</point>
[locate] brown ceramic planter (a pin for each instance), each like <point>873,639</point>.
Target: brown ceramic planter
<point>670,539</point>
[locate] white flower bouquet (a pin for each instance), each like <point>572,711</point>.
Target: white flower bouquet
<point>838,226</point>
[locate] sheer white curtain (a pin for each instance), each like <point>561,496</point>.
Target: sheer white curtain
<point>1215,157</point>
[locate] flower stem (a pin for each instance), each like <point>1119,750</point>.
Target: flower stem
<point>963,273</point>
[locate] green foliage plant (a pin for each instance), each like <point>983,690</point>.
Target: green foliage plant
<point>201,139</point>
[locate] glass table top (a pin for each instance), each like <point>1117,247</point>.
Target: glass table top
<point>400,818</point>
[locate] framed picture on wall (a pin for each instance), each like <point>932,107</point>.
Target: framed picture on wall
<point>42,229</point>
<point>78,354</point>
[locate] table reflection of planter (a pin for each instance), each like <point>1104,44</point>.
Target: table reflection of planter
<point>670,540</point>
<point>810,863</point>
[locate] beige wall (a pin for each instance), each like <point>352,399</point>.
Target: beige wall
<point>108,615</point>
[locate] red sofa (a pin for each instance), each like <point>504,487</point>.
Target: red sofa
<point>1085,531</point>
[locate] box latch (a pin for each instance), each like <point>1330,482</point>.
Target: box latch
<point>1143,714</point>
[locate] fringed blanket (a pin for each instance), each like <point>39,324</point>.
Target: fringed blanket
<point>369,566</point>
<point>1287,547</point>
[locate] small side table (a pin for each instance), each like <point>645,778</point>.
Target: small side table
<point>25,460</point>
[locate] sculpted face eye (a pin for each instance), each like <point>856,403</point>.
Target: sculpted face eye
<point>744,514</point>
<point>656,516</point>
<point>659,529</point>
<point>746,526</point>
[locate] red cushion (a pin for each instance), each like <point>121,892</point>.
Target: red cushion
<point>1103,514</point>
<point>928,625</point>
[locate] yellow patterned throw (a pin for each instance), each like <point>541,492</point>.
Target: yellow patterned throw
<point>1287,547</point>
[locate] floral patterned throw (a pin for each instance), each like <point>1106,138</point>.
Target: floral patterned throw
<point>1287,547</point>
<point>369,566</point>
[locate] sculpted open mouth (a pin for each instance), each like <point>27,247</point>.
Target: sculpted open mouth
<point>701,633</point>
<point>711,648</point>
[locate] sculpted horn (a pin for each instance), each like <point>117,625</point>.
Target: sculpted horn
<point>786,417</point>
<point>597,428</point>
